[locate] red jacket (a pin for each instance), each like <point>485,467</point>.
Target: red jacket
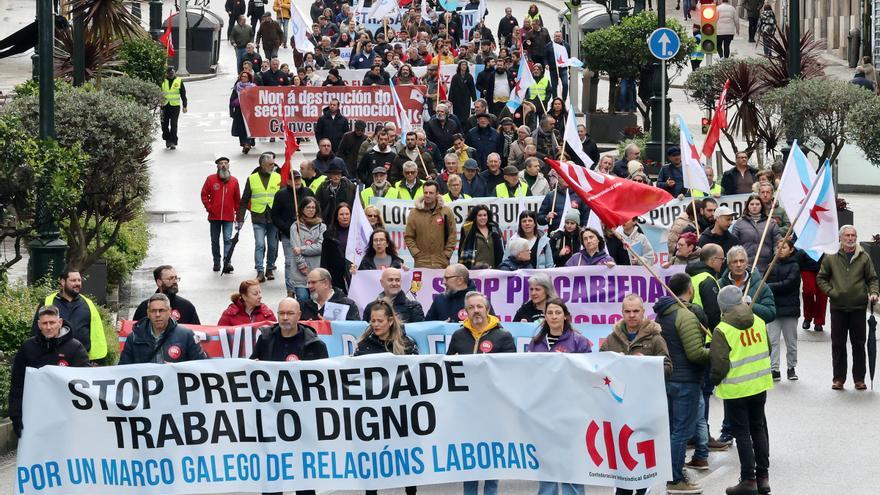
<point>235,315</point>
<point>221,198</point>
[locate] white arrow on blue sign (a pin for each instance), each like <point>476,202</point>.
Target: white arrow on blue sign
<point>664,43</point>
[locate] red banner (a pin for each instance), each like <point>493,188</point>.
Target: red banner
<point>230,341</point>
<point>262,107</point>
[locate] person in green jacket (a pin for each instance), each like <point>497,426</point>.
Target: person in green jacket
<point>737,274</point>
<point>850,281</point>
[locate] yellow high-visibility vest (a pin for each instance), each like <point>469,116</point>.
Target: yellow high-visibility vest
<point>98,349</point>
<point>262,196</point>
<point>172,91</point>
<point>696,280</point>
<point>749,361</point>
<point>501,191</point>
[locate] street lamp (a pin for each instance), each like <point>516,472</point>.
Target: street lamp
<point>47,250</point>
<point>659,117</point>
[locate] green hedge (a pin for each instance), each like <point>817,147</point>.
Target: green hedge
<point>130,249</point>
<point>144,59</point>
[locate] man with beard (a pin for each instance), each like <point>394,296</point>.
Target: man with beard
<point>441,128</point>
<point>380,188</point>
<point>382,155</point>
<point>78,312</point>
<point>412,153</point>
<point>321,291</point>
<point>221,196</point>
<point>494,84</point>
<point>182,310</point>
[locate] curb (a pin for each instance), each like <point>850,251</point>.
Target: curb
<point>199,77</point>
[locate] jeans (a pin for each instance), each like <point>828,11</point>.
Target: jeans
<point>490,487</point>
<point>624,491</point>
<point>284,25</point>
<point>684,403</point>
<point>724,45</point>
<point>270,52</point>
<point>850,323</point>
<point>786,328</point>
<point>240,53</point>
<point>265,233</point>
<point>216,227</point>
<point>750,431</point>
<point>701,450</point>
<point>553,488</point>
<point>556,81</point>
<point>289,266</point>
<point>170,114</point>
<point>302,294</point>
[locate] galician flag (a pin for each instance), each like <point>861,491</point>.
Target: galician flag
<point>693,171</point>
<point>382,9</point>
<point>797,178</point>
<point>816,228</point>
<point>403,123</point>
<point>562,58</point>
<point>448,5</point>
<point>359,233</point>
<point>524,80</point>
<point>300,31</point>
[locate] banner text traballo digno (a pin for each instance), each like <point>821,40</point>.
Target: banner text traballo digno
<point>375,422</point>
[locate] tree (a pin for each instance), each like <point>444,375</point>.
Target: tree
<point>816,113</point>
<point>620,51</point>
<point>864,128</point>
<point>31,169</point>
<point>117,134</point>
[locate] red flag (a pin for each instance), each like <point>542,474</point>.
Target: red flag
<point>166,40</point>
<point>615,200</point>
<point>719,121</point>
<point>290,147</point>
<point>441,89</point>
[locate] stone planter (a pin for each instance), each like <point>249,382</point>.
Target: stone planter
<point>8,440</point>
<point>608,127</point>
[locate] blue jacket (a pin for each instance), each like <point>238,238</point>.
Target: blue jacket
<point>362,61</point>
<point>176,344</point>
<point>558,197</point>
<point>765,304</point>
<point>485,140</point>
<point>477,188</point>
<point>675,173</point>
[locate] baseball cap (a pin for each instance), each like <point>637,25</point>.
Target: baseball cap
<point>723,211</point>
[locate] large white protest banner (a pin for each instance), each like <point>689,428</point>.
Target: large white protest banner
<point>593,293</point>
<point>374,422</point>
<point>665,215</point>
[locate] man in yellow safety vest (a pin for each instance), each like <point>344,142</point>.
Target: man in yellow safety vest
<point>175,97</point>
<point>78,312</point>
<point>258,197</point>
<point>512,187</point>
<point>740,367</point>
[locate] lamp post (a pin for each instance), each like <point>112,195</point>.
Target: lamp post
<point>659,114</point>
<point>47,250</point>
<point>794,39</point>
<point>156,19</point>
<point>181,37</point>
<point>79,48</point>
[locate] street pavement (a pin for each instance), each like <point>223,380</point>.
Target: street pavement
<point>822,442</point>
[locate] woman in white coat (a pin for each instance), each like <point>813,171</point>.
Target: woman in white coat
<point>726,27</point>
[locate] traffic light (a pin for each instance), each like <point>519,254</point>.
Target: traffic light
<point>704,125</point>
<point>708,22</point>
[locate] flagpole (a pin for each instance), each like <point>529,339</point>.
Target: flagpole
<point>653,274</point>
<point>787,235</point>
<point>555,190</point>
<point>385,28</point>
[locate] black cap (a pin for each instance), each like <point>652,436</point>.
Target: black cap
<point>334,168</point>
<point>295,173</point>
<point>675,150</point>
<point>218,160</point>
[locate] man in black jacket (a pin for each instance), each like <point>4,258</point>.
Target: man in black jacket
<point>54,345</point>
<point>381,155</point>
<point>441,128</point>
<point>159,339</point>
<point>336,189</point>
<point>289,340</point>
<point>331,125</point>
<point>322,291</point>
<point>505,27</point>
<point>349,146</point>
<point>78,312</point>
<point>406,309</point>
<point>182,310</point>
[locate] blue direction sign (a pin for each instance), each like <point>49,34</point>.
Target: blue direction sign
<point>664,43</point>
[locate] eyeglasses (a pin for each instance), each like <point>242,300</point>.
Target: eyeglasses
<point>411,172</point>
<point>372,215</point>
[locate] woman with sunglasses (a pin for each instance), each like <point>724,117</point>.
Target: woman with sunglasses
<point>374,216</point>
